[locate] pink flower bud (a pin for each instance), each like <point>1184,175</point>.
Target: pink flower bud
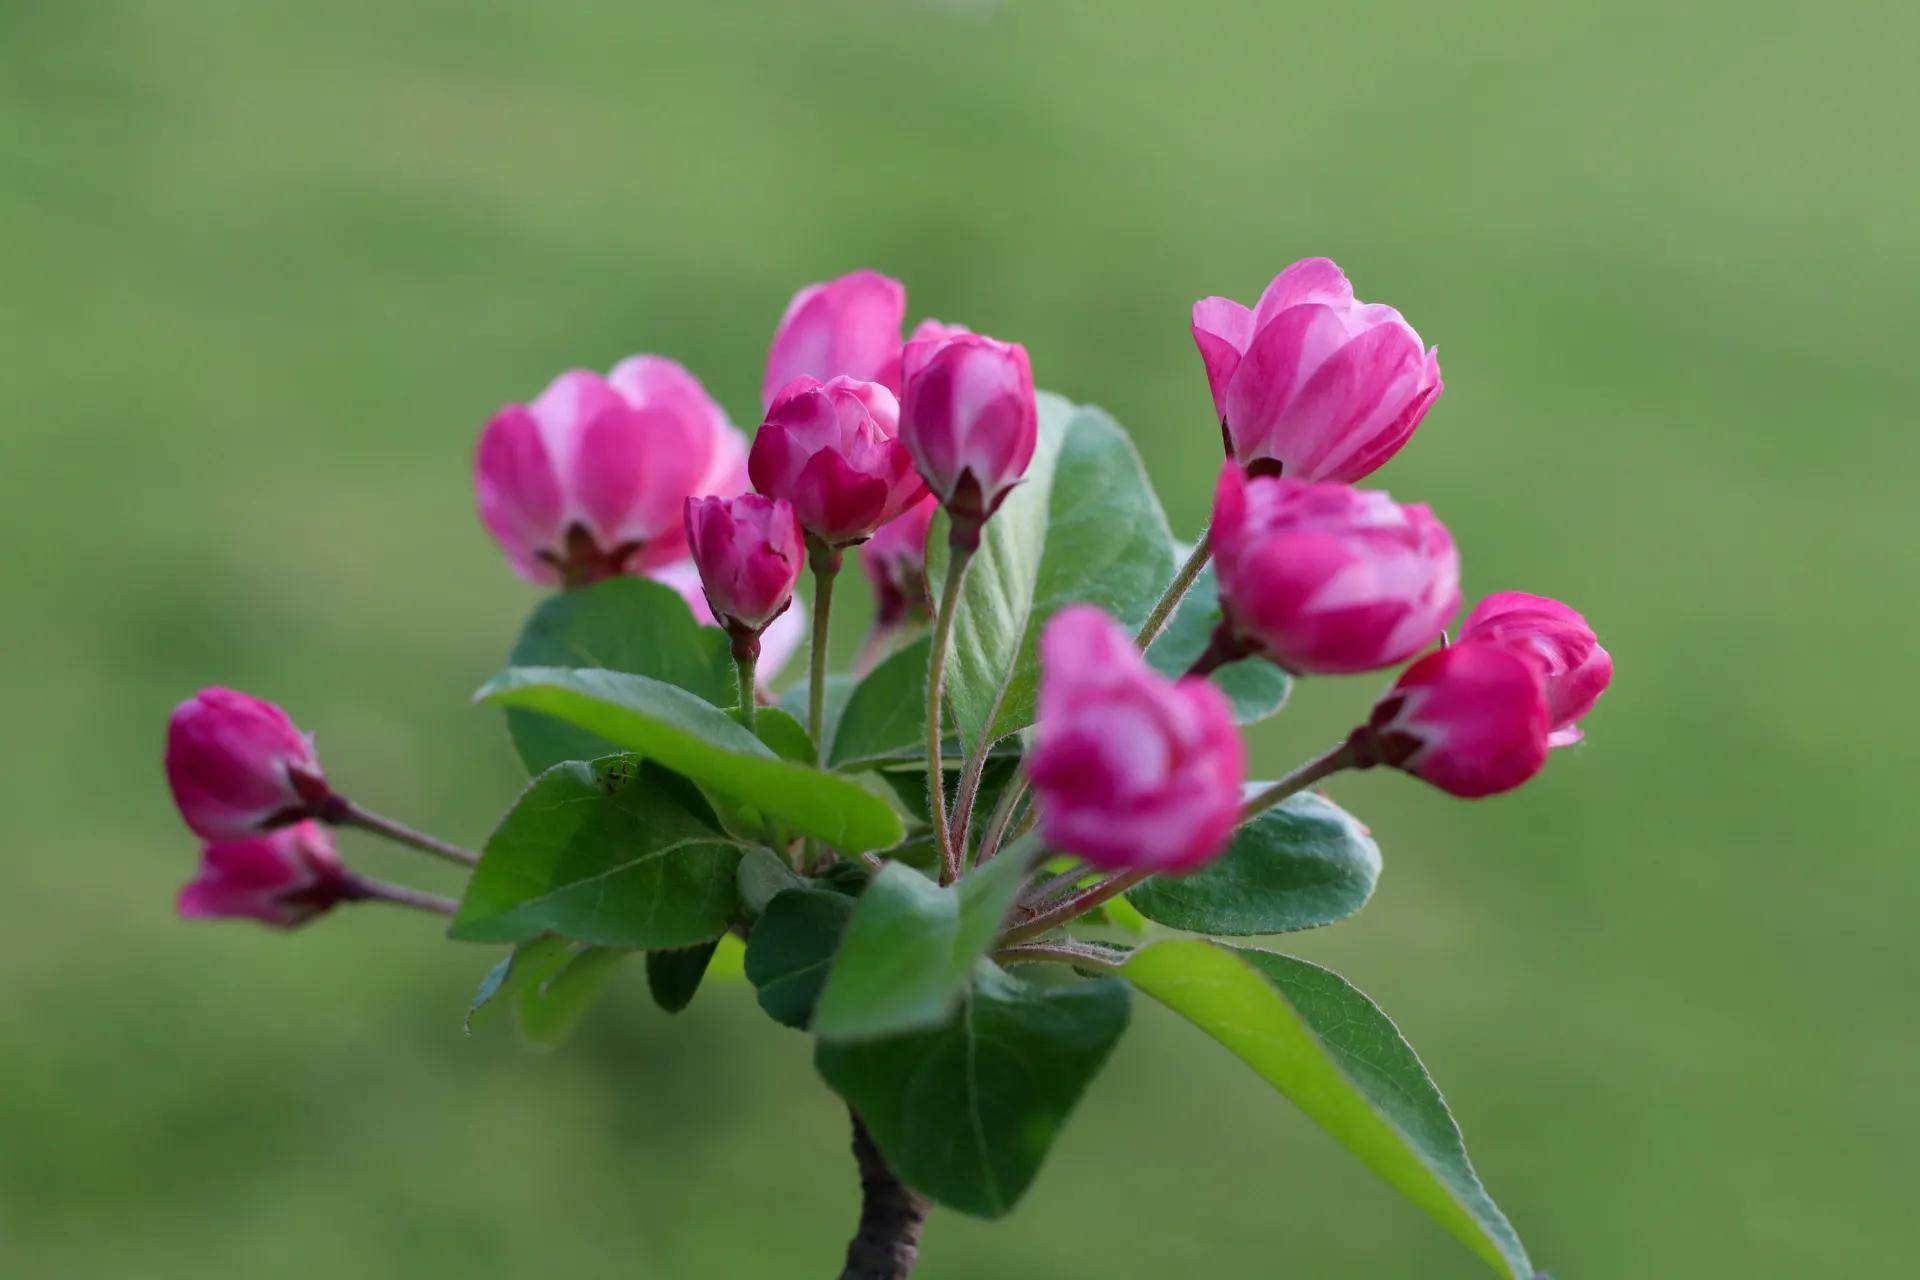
<point>587,482</point>
<point>749,551</point>
<point>1133,772</point>
<point>895,560</point>
<point>238,766</point>
<point>1471,719</point>
<point>1311,382</point>
<point>968,415</point>
<point>283,878</point>
<point>847,327</point>
<point>778,642</point>
<point>1573,666</point>
<point>1329,579</point>
<point>834,452</point>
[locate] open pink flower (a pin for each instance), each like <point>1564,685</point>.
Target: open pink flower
<point>749,551</point>
<point>846,327</point>
<point>1311,382</point>
<point>1132,771</point>
<point>833,450</point>
<point>238,765</point>
<point>1471,719</point>
<point>282,878</point>
<point>1330,579</point>
<point>968,414</point>
<point>1573,666</point>
<point>587,481</point>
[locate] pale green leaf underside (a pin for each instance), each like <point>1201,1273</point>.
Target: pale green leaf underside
<point>1331,1050</point>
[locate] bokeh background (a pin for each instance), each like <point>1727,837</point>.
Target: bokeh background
<point>266,267</point>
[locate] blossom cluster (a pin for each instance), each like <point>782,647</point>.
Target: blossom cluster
<point>865,436</point>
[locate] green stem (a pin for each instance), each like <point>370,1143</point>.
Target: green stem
<point>1347,755</point>
<point>746,657</point>
<point>366,889</point>
<point>936,694</point>
<point>825,561</point>
<point>1002,816</point>
<point>1176,591</point>
<point>1078,954</point>
<point>343,812</point>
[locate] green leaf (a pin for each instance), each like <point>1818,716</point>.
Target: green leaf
<point>549,983</point>
<point>623,624</point>
<point>785,736</point>
<point>911,946</point>
<point>674,976</point>
<point>551,1009</point>
<point>840,687</point>
<point>611,852</point>
<point>1255,687</point>
<point>1343,1062</point>
<point>699,741</point>
<point>764,874</point>
<point>1083,526</point>
<point>885,717</point>
<point>1302,864</point>
<point>965,1112</point>
<point>790,949</point>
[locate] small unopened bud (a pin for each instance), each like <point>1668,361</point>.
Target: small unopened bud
<point>283,878</point>
<point>238,766</point>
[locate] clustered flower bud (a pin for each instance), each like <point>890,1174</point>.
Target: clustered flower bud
<point>1572,665</point>
<point>239,766</point>
<point>1328,579</point>
<point>833,450</point>
<point>1312,383</point>
<point>587,482</point>
<point>749,551</point>
<point>282,878</point>
<point>895,561</point>
<point>968,415</point>
<point>1480,716</point>
<point>1133,772</point>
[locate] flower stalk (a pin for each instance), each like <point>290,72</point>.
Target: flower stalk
<point>342,812</point>
<point>1176,591</point>
<point>825,562</point>
<point>958,557</point>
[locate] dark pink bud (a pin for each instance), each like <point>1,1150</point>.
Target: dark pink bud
<point>587,481</point>
<point>968,415</point>
<point>1470,718</point>
<point>283,878</point>
<point>895,560</point>
<point>1574,668</point>
<point>847,327</point>
<point>1330,579</point>
<point>778,642</point>
<point>239,766</point>
<point>749,551</point>
<point>1312,383</point>
<point>833,450</point>
<point>1133,772</point>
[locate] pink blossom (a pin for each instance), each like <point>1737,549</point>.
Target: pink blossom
<point>1312,383</point>
<point>1133,772</point>
<point>778,642</point>
<point>283,878</point>
<point>1574,668</point>
<point>846,327</point>
<point>749,551</point>
<point>895,560</point>
<point>833,450</point>
<point>587,481</point>
<point>968,415</point>
<point>238,765</point>
<point>1471,719</point>
<point>1330,579</point>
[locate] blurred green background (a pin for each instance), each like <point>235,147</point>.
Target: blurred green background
<point>268,266</point>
